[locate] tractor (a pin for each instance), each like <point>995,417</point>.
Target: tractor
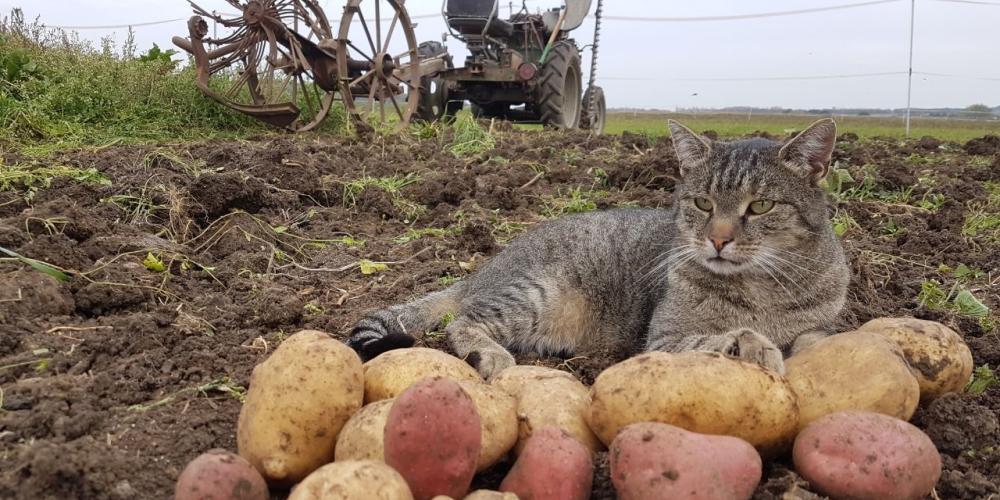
<point>524,69</point>
<point>282,62</point>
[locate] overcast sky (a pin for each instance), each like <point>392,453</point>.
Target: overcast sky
<point>659,64</point>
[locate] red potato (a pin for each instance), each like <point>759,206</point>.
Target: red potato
<point>651,461</point>
<point>432,437</point>
<point>553,465</point>
<point>867,455</point>
<point>220,475</point>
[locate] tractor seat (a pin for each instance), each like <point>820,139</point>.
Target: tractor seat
<point>471,17</point>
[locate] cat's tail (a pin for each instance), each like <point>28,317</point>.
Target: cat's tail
<point>394,327</point>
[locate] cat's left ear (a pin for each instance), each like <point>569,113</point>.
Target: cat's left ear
<point>809,152</point>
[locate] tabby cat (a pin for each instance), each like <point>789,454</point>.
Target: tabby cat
<point>744,263</point>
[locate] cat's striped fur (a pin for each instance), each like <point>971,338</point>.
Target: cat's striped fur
<point>684,278</point>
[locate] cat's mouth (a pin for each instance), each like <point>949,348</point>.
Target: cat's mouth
<point>722,265</point>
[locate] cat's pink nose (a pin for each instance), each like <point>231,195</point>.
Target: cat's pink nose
<point>719,243</point>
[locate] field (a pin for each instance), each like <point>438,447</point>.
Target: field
<point>729,124</point>
<point>155,248</point>
<point>189,262</point>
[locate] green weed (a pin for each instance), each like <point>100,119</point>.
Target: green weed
<point>428,232</point>
<point>30,178</point>
<point>447,280</point>
<point>891,228</point>
<point>982,379</point>
<point>843,222</point>
<point>470,138</point>
<point>42,267</point>
<point>577,201</point>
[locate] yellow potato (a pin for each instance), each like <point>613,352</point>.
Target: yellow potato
<point>937,355</point>
<point>498,417</point>
<point>353,480</point>
<point>391,372</point>
<point>852,371</point>
<point>546,396</point>
<point>362,435</point>
<point>701,392</point>
<point>516,377</point>
<point>299,399</point>
<point>490,495</point>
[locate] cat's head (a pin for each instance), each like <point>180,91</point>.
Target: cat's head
<point>750,204</point>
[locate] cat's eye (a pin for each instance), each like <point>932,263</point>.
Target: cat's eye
<point>760,207</point>
<point>704,204</point>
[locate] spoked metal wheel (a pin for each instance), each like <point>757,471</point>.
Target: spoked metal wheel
<point>377,61</point>
<point>270,67</point>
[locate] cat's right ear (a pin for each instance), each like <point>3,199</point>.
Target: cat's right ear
<point>691,149</point>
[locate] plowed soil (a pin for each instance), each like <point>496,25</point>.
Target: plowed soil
<point>193,263</point>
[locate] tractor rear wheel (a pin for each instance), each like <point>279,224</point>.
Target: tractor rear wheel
<point>433,103</point>
<point>593,118</point>
<point>558,87</point>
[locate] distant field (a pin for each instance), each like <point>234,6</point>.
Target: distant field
<point>728,124</point>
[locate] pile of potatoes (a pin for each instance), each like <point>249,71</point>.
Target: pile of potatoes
<point>419,424</point>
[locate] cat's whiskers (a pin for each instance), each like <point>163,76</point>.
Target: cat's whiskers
<point>795,255</point>
<point>767,267</point>
<point>677,257</point>
<point>776,267</point>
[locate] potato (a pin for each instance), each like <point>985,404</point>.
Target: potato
<point>391,372</point>
<point>362,435</point>
<point>513,379</point>
<point>220,475</point>
<point>353,480</point>
<point>852,371</point>
<point>702,392</point>
<point>552,466</point>
<point>490,495</point>
<point>937,355</point>
<point>299,399</point>
<point>866,455</point>
<point>556,400</point>
<point>432,437</point>
<point>498,415</point>
<point>658,461</point>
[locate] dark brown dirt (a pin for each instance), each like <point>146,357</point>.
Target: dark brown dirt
<point>113,381</point>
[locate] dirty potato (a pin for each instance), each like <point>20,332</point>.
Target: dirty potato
<point>702,392</point>
<point>654,461</point>
<point>498,416</point>
<point>391,372</point>
<point>220,474</point>
<point>299,398</point>
<point>353,480</point>
<point>362,435</point>
<point>553,465</point>
<point>432,437</point>
<point>866,455</point>
<point>852,371</point>
<point>937,355</point>
<point>546,396</point>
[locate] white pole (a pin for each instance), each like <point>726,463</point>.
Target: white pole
<point>909,76</point>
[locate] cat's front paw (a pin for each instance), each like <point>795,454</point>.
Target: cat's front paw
<point>749,345</point>
<point>490,362</point>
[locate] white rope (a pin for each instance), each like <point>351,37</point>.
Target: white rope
<point>747,16</point>
<point>114,26</point>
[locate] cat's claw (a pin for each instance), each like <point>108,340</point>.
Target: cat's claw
<point>749,345</point>
<point>490,362</point>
